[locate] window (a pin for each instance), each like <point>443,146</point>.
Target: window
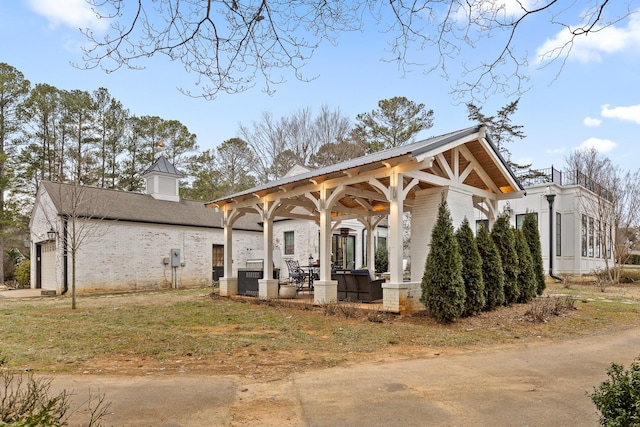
<point>289,243</point>
<point>218,255</point>
<point>558,233</point>
<point>382,242</point>
<point>520,219</point>
<point>584,235</point>
<point>482,223</point>
<point>591,242</point>
<point>598,232</point>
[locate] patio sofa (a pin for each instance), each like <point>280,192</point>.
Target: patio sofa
<point>357,285</point>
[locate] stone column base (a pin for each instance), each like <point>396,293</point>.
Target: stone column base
<point>325,292</point>
<point>268,288</point>
<point>228,286</point>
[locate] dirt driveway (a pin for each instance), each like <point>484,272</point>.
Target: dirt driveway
<point>524,385</point>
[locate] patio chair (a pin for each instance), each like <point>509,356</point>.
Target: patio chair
<point>296,273</point>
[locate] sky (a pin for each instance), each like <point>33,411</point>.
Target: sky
<point>594,101</point>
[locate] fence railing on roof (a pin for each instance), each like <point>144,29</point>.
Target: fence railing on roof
<point>543,176</point>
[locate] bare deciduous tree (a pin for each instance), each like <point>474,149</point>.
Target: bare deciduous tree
<point>228,44</point>
<point>300,138</point>
<point>615,207</point>
<point>79,218</point>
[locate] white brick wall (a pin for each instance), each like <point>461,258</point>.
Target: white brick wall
<point>129,256</point>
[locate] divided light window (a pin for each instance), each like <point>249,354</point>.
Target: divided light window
<point>289,245</point>
<point>591,235</point>
<point>558,233</point>
<point>583,232</point>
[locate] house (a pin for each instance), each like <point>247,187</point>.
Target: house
<point>130,241</point>
<point>463,167</point>
<point>571,211</point>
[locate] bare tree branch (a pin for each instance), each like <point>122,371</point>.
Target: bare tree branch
<point>232,44</point>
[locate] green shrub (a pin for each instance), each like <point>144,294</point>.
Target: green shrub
<point>382,259</point>
<point>532,236</point>
<point>492,274</point>
<point>526,276</point>
<point>471,270</point>
<point>23,274</point>
<point>502,236</point>
<point>618,398</point>
<point>442,284</point>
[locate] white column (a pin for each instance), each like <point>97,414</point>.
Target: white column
<point>267,286</point>
<point>228,283</point>
<point>371,251</point>
<point>325,289</point>
<point>395,228</point>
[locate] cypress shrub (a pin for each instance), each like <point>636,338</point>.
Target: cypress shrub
<point>382,259</point>
<point>532,236</point>
<point>502,236</point>
<point>492,274</point>
<point>471,270</point>
<point>526,278</point>
<point>442,284</point>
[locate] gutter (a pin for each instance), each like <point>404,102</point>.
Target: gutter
<point>550,198</point>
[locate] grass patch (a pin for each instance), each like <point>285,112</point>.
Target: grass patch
<point>189,331</point>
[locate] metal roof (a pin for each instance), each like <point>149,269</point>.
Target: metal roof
<point>162,165</point>
<point>415,149</point>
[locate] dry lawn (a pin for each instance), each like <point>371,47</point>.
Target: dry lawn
<point>195,331</point>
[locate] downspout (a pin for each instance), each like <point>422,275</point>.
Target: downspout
<point>65,267</point>
<point>550,198</point>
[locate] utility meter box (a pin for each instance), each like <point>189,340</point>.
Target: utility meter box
<point>175,257</point>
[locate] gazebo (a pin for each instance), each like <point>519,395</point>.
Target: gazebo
<point>464,167</point>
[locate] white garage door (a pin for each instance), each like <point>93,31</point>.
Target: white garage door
<point>48,264</point>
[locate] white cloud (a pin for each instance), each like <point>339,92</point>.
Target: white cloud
<point>556,150</point>
<point>72,13</point>
<point>602,145</point>
<point>629,114</point>
<point>591,48</point>
<point>592,122</point>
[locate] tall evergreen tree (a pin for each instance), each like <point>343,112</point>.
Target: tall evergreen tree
<point>492,274</point>
<point>442,284</point>
<point>471,270</point>
<point>13,91</point>
<point>503,238</point>
<point>526,278</point>
<point>394,123</point>
<point>532,236</point>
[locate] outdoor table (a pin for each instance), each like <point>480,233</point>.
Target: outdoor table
<point>314,273</point>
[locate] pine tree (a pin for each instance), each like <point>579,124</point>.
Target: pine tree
<point>492,274</point>
<point>532,236</point>
<point>503,238</point>
<point>442,285</point>
<point>471,270</point>
<point>527,283</point>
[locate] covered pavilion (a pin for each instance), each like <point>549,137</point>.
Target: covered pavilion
<point>464,167</point>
